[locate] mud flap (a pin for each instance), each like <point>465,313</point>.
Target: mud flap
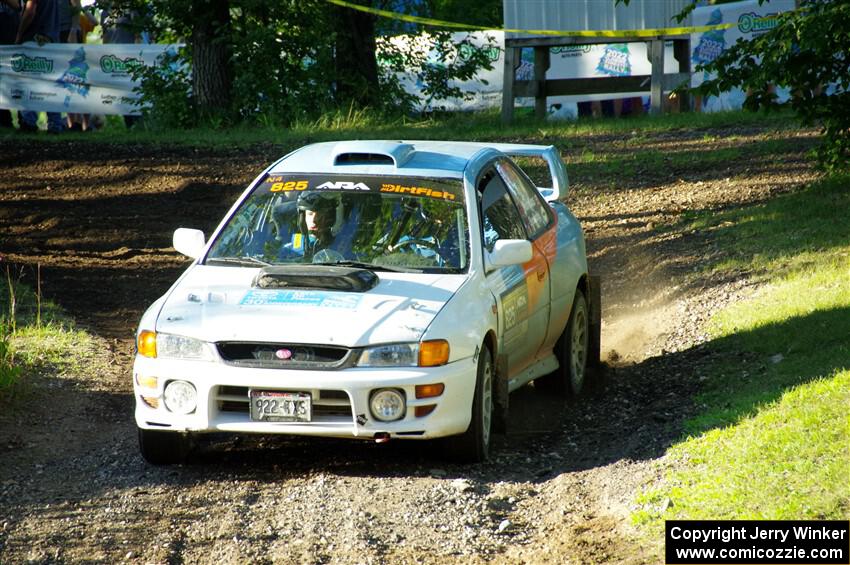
<point>594,351</point>
<point>501,397</point>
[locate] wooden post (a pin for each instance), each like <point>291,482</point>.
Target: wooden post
<point>682,54</point>
<point>511,63</point>
<point>656,58</point>
<point>541,65</point>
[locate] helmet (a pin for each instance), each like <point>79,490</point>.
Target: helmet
<point>317,202</point>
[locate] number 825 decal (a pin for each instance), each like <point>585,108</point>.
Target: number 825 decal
<point>289,185</point>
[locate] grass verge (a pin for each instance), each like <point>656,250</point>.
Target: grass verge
<point>772,438</point>
<point>477,126</point>
<point>34,335</point>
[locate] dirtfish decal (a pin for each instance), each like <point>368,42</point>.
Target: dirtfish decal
<point>74,78</point>
<point>754,23</point>
<point>115,65</point>
<point>23,64</point>
<point>711,43</point>
<point>615,61</point>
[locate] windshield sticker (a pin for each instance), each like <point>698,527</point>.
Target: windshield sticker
<point>342,185</point>
<point>300,298</point>
<point>278,185</point>
<point>439,189</point>
<point>417,191</point>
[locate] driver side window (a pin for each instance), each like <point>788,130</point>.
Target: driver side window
<point>499,215</point>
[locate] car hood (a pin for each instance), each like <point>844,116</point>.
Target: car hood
<point>214,303</point>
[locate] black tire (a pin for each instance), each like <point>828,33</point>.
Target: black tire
<point>572,350</point>
<point>163,448</point>
<point>473,446</point>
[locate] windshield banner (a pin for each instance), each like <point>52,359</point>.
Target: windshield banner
<point>74,77</point>
<point>422,188</point>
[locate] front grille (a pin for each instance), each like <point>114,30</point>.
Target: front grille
<point>327,405</point>
<point>283,355</point>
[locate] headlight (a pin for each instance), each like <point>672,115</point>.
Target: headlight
<point>426,354</point>
<point>170,346</point>
<point>394,355</point>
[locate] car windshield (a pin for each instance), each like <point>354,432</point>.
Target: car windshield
<point>393,223</point>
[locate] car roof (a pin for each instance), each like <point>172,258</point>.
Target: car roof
<point>441,159</point>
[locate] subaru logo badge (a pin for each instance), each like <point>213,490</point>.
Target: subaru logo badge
<point>283,354</point>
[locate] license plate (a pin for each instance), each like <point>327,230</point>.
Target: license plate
<point>272,406</point>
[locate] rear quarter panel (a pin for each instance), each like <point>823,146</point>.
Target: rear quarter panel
<point>566,269</point>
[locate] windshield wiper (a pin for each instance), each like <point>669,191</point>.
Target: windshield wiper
<point>245,261</point>
<point>370,266</point>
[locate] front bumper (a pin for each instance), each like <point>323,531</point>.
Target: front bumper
<point>340,399</point>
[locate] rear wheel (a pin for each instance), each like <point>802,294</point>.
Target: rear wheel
<point>163,448</point>
<point>473,446</point>
<point>572,351</point>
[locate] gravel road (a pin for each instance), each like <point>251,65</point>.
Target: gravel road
<point>562,482</point>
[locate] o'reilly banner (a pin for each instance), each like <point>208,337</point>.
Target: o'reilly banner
<point>70,77</point>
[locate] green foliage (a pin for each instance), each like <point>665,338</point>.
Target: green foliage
<point>807,53</point>
<point>438,61</point>
<point>9,371</point>
<point>165,93</point>
<point>477,12</point>
<point>283,65</point>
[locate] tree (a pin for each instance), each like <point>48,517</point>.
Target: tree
<point>279,62</point>
<point>356,63</point>
<point>807,52</point>
<point>212,51</point>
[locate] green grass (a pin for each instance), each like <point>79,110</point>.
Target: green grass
<point>34,335</point>
<point>360,124</point>
<point>772,438</point>
<point>788,234</point>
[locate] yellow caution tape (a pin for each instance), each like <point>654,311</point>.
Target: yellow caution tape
<point>588,33</point>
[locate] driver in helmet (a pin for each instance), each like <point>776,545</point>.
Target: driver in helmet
<point>319,219</point>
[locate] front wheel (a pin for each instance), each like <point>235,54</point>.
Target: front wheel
<point>163,448</point>
<point>473,446</point>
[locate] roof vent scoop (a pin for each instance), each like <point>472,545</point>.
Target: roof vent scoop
<point>372,153</point>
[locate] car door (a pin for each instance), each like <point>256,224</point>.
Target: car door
<point>539,224</point>
<point>509,285</point>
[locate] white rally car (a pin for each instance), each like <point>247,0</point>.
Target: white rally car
<point>373,290</point>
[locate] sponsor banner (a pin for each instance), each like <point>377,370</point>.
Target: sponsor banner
<point>749,19</point>
<point>574,61</point>
<point>78,78</point>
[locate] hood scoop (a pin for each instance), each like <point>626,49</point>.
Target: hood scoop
<point>314,277</point>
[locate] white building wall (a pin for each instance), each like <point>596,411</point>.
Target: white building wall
<point>591,14</point>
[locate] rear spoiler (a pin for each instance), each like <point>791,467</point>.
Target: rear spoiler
<point>550,154</point>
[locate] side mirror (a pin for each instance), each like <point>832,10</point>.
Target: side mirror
<point>189,242</point>
<point>508,252</point>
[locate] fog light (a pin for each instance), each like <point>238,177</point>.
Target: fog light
<point>180,397</point>
<point>387,404</point>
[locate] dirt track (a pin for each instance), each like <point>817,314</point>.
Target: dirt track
<point>99,218</point>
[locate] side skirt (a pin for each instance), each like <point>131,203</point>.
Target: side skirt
<point>537,369</point>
